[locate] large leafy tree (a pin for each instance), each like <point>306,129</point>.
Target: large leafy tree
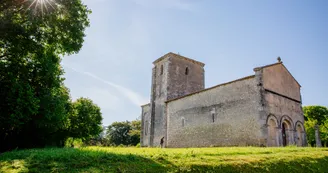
<point>85,120</point>
<point>316,115</point>
<point>34,103</point>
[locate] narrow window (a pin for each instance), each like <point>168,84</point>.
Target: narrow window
<point>161,69</point>
<point>213,114</point>
<point>187,71</point>
<point>183,122</point>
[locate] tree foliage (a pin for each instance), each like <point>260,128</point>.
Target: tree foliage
<point>26,30</point>
<point>135,131</point>
<point>85,120</point>
<point>124,133</point>
<point>316,115</point>
<point>34,104</point>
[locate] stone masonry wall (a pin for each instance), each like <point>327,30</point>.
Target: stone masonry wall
<point>179,83</point>
<point>145,125</point>
<point>281,108</point>
<point>277,78</point>
<point>158,101</point>
<point>234,107</point>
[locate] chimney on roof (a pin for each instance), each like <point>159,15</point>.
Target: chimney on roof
<point>279,59</point>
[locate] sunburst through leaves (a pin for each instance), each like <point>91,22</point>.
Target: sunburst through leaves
<point>42,6</point>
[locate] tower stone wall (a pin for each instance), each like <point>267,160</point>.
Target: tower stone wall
<point>184,77</point>
<point>145,125</point>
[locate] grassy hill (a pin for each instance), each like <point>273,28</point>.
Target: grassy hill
<point>102,159</point>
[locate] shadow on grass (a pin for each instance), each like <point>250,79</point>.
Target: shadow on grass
<point>305,165</point>
<point>76,160</point>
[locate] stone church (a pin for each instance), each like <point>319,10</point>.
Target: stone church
<point>264,109</point>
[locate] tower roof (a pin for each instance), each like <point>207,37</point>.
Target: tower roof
<point>170,54</point>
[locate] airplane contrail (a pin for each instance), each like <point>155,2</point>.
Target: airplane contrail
<point>134,97</point>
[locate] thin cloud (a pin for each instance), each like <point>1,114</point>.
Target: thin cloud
<point>134,97</point>
<point>171,4</point>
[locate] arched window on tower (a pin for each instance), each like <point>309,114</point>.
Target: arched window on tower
<point>161,69</point>
<point>213,117</point>
<point>187,71</point>
<point>182,122</point>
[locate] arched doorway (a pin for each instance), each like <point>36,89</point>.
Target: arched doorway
<point>287,131</point>
<point>284,134</point>
<point>272,125</point>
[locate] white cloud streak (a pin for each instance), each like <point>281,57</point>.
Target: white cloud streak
<point>171,4</point>
<point>134,97</point>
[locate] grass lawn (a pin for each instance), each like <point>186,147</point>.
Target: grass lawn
<point>103,159</point>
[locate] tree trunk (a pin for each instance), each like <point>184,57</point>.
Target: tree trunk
<point>317,136</point>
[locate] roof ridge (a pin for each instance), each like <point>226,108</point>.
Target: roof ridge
<point>269,65</point>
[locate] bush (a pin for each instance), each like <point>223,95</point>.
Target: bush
<point>70,142</point>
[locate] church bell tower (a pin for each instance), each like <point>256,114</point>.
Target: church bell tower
<point>173,76</point>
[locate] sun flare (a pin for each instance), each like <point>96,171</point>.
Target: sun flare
<point>41,5</point>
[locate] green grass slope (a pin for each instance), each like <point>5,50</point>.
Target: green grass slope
<point>102,159</point>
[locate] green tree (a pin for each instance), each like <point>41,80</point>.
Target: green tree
<point>34,103</point>
<point>319,113</point>
<point>135,131</point>
<point>85,120</point>
<point>124,133</point>
<point>118,133</point>
<point>316,115</point>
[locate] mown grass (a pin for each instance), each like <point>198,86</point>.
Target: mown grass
<point>103,159</point>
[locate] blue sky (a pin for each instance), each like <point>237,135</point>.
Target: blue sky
<point>231,37</point>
